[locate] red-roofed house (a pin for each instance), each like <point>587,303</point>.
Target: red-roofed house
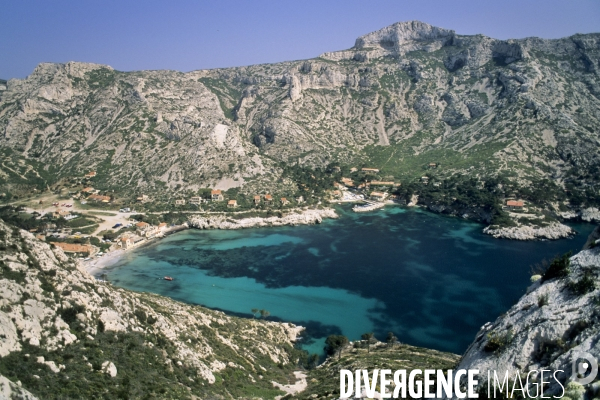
<point>216,195</point>
<point>515,204</point>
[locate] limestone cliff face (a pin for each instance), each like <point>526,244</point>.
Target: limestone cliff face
<point>402,97</point>
<point>553,231</point>
<point>307,217</point>
<point>58,325</point>
<point>555,320</point>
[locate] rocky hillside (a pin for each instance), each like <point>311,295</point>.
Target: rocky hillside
<point>557,318</point>
<point>410,94</point>
<point>324,381</point>
<point>65,335</point>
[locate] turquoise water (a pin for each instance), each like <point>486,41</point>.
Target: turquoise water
<point>430,279</point>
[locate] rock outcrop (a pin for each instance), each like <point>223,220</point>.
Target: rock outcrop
<point>305,217</point>
<point>589,214</point>
<point>552,231</point>
<point>546,329</point>
<point>10,390</point>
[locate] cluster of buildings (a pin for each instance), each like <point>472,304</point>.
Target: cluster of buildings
<point>143,231</point>
<point>76,249</point>
<point>217,195</point>
<point>90,194</point>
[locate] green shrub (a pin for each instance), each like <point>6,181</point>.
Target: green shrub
<point>585,285</point>
<point>543,300</point>
<point>69,315</point>
<point>7,273</point>
<point>559,267</point>
<point>498,342</point>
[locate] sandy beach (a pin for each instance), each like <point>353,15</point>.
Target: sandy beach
<point>96,265</point>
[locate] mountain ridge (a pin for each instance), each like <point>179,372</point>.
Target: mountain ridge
<point>524,110</point>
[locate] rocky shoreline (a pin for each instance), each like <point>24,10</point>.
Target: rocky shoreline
<point>552,316</point>
<point>305,217</point>
<point>590,214</point>
<point>554,231</point>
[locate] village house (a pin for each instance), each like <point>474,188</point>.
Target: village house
<point>353,169</point>
<point>232,204</point>
<point>378,196</point>
<point>515,204</point>
<point>140,227</point>
<point>151,232</point>
<point>256,200</point>
<point>129,241</point>
<point>88,190</point>
<point>433,165</point>
<point>284,201</point>
<point>60,213</point>
<point>336,194</point>
<point>143,198</point>
<point>216,195</point>
<point>74,248</point>
<point>180,202</point>
<point>268,199</point>
<point>437,184</point>
<point>196,200</point>
<point>425,180</point>
<point>90,174</point>
<point>370,170</point>
<point>41,236</point>
<point>348,182</point>
<point>99,198</point>
<point>126,242</point>
<point>162,226</point>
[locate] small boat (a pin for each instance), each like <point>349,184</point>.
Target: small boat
<point>168,278</point>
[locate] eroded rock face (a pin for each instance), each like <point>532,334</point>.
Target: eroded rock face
<point>10,390</point>
<point>545,329</point>
<point>403,37</point>
<point>497,105</point>
<point>553,231</point>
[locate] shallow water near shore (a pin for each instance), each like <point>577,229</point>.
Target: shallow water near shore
<point>432,280</point>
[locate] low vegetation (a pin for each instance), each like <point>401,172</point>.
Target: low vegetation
<point>324,382</point>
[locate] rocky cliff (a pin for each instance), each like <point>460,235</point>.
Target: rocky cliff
<point>65,334</point>
<point>401,98</point>
<point>558,318</point>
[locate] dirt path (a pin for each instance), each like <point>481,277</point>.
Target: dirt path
<point>297,387</point>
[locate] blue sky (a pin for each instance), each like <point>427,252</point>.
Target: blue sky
<point>188,35</point>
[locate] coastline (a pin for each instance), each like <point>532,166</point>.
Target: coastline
<point>315,216</point>
<point>304,217</point>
